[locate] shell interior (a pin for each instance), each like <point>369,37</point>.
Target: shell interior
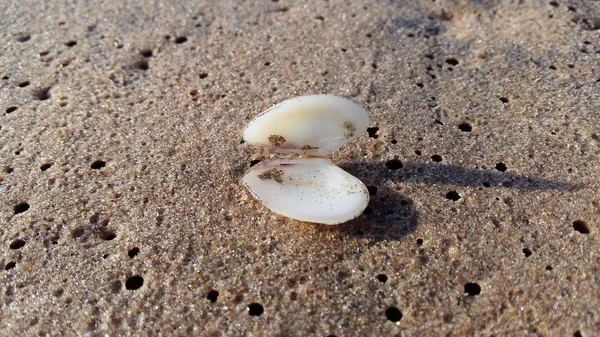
<point>310,189</point>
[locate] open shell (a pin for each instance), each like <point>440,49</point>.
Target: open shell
<point>310,125</point>
<point>311,190</point>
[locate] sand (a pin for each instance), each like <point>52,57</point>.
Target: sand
<point>122,211</point>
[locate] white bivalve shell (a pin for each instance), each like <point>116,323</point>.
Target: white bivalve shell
<point>311,125</point>
<point>308,189</point>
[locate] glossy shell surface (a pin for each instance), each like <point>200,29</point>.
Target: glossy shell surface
<point>311,125</point>
<point>308,189</point>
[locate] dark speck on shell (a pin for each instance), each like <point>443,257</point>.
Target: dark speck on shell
<point>276,140</point>
<point>274,174</point>
<point>350,129</point>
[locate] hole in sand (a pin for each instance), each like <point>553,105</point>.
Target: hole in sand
<point>107,235</point>
<point>41,94</point>
<point>472,289</point>
<point>394,164</point>
<point>23,37</point>
<point>141,65</point>
<point>146,52</point>
<point>452,195</point>
<point>17,244</point>
<point>20,208</point>
<point>133,252</point>
<point>98,164</point>
<point>452,61</point>
<point>393,314</point>
<point>255,309</point>
<point>134,282</point>
<point>373,132</point>
<point>581,227</point>
<point>212,295</point>
<point>181,39</point>
<point>465,127</point>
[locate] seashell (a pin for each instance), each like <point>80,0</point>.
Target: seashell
<point>308,189</point>
<point>310,125</point>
